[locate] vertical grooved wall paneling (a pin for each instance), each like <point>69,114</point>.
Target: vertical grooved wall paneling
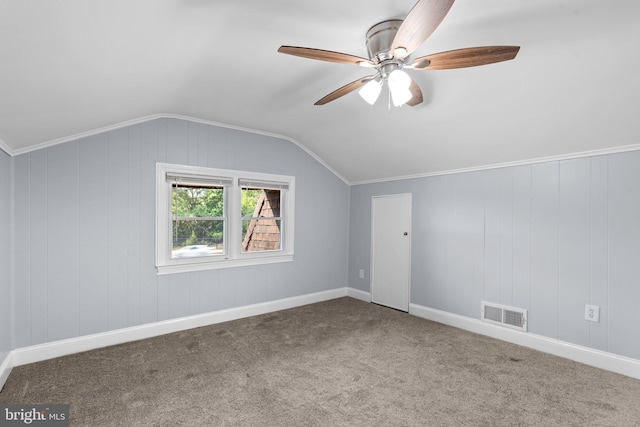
<point>548,237</point>
<point>5,259</point>
<point>599,250</point>
<point>118,212</point>
<point>22,250</point>
<point>624,253</point>
<point>477,240</point>
<point>149,153</point>
<point>522,237</point>
<point>493,181</point>
<point>38,260</point>
<point>543,318</point>
<point>574,250</point>
<point>85,230</point>
<point>62,241</point>
<point>93,223</point>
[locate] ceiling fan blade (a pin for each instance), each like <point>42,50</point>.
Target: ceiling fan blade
<point>417,94</point>
<point>420,23</point>
<point>468,57</point>
<point>350,87</point>
<point>325,55</point>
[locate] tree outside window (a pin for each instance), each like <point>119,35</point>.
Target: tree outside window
<point>197,220</point>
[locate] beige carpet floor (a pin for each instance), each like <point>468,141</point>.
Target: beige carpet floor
<point>337,363</point>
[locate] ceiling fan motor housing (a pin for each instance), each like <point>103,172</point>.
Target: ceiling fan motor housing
<point>380,38</point>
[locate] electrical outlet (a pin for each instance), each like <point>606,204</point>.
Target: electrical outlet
<point>362,274</point>
<point>592,313</point>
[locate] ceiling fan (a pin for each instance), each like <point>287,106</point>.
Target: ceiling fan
<point>390,44</point>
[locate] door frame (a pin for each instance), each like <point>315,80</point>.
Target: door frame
<point>399,195</point>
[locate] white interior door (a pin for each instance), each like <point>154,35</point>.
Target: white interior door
<point>391,250</point>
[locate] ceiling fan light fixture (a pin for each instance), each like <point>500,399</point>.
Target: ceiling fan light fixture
<point>371,91</point>
<point>399,83</point>
<point>400,52</point>
<point>399,79</point>
<point>400,97</point>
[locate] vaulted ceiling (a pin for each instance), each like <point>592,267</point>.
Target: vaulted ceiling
<point>71,67</point>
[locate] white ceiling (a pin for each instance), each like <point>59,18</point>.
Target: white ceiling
<point>69,67</point>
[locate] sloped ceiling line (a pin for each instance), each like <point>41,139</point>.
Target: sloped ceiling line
<point>165,116</point>
<point>568,156</point>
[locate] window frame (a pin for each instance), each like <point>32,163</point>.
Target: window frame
<point>232,236</point>
<point>253,185</point>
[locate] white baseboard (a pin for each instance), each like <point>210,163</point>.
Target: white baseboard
<point>37,353</point>
<point>358,294</point>
<point>5,369</point>
<point>599,359</point>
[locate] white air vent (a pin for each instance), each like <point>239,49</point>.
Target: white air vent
<point>511,317</point>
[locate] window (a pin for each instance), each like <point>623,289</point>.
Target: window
<point>213,218</point>
<point>197,215</point>
<point>261,218</point>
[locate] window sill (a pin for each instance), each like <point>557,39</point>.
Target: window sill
<point>214,265</point>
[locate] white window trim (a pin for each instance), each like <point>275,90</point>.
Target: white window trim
<point>232,257</point>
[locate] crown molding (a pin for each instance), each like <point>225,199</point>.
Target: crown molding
<point>4,147</point>
<point>86,134</point>
<point>149,118</point>
<point>259,132</point>
<point>568,156</point>
<point>560,157</point>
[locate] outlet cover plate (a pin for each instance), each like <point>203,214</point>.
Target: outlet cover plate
<point>592,313</point>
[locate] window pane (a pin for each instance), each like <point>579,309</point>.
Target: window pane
<point>197,221</point>
<point>261,235</point>
<point>192,201</point>
<point>260,203</point>
<point>193,238</point>
<point>250,201</point>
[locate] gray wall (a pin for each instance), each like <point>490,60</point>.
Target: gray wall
<point>5,257</point>
<point>85,217</point>
<point>548,237</point>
